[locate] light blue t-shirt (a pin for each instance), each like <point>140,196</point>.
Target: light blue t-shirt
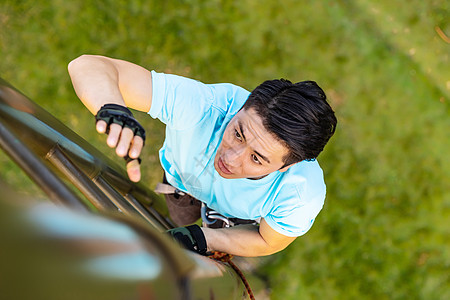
<point>196,115</point>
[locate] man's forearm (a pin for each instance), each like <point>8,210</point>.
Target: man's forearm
<point>242,240</point>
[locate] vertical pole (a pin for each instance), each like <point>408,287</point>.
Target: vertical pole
<point>80,180</point>
<point>38,171</point>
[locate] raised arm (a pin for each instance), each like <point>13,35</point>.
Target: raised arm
<point>100,80</point>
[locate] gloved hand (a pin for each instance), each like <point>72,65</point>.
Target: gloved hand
<point>191,237</point>
<point>113,113</point>
<point>119,119</point>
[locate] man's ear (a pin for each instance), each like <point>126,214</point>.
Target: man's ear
<point>284,169</point>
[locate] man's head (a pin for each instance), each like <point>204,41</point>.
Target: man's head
<point>280,124</point>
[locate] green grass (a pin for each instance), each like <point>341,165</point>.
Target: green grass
<point>383,233</point>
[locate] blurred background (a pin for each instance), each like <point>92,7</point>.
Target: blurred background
<point>384,232</point>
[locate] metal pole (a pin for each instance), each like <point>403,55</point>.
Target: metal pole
<point>149,214</point>
<point>80,180</point>
<point>38,171</point>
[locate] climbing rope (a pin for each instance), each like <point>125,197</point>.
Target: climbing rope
<point>226,258</point>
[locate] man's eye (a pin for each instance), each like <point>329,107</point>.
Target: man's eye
<point>255,159</point>
<point>237,135</point>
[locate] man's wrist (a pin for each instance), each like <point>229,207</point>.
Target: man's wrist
<point>207,233</point>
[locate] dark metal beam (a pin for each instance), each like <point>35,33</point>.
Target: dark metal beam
<point>38,171</point>
<point>80,180</point>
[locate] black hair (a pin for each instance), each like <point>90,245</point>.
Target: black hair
<point>297,114</point>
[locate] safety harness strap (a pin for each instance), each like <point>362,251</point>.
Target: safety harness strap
<point>164,188</point>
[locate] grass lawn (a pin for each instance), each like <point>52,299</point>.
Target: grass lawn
<point>383,233</point>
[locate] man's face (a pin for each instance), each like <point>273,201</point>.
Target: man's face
<point>248,150</point>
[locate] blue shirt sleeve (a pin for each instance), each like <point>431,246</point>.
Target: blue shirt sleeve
<point>179,102</point>
<point>295,221</point>
<point>299,202</point>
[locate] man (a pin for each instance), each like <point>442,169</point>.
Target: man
<point>245,155</point>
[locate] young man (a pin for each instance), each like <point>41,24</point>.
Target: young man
<point>245,155</point>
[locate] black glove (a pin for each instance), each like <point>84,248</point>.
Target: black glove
<point>191,237</point>
<point>117,114</point>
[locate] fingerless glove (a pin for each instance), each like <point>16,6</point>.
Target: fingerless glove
<point>191,237</point>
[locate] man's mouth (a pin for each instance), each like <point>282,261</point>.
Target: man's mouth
<point>223,167</point>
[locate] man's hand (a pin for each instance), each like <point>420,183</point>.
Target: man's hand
<point>190,237</point>
<point>124,133</point>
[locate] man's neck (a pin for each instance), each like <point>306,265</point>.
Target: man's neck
<point>257,178</point>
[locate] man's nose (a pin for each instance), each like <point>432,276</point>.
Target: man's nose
<point>233,156</point>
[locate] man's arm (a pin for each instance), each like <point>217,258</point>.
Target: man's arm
<point>99,80</point>
<point>247,240</point>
